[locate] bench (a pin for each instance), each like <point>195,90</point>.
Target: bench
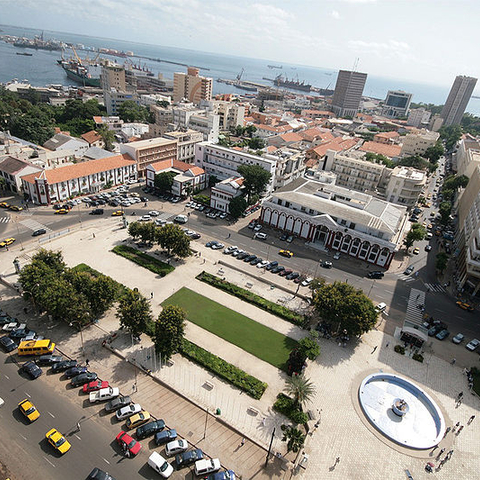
<point>254,411</point>
<point>208,385</point>
<point>249,285</point>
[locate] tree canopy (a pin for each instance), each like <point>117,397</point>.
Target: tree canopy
<point>237,206</point>
<point>164,181</point>
<point>450,134</point>
<point>294,437</point>
<point>345,307</point>
<point>300,388</point>
<point>378,158</point>
<point>417,232</point>
<point>129,111</point>
<point>134,312</point>
<point>169,331</point>
<point>173,239</point>
<point>434,153</point>
<point>255,179</point>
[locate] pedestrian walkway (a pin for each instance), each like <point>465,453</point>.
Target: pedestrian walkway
<point>415,307</point>
<point>34,225</point>
<point>435,287</point>
<point>4,219</point>
<point>405,278</point>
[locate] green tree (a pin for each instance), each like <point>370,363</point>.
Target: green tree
<point>134,312</point>
<point>53,260</point>
<point>434,153</point>
<point>129,111</point>
<point>441,261</point>
<point>445,209</point>
<point>378,158</point>
<point>237,206</point>
<point>147,232</point>
<point>294,437</point>
<point>169,331</point>
<point>174,240</point>
<point>450,134</point>
<point>33,129</point>
<point>164,181</point>
<point>256,143</point>
<point>309,347</point>
<point>134,229</point>
<point>416,233</point>
<point>255,179</point>
<point>417,162</point>
<point>301,389</point>
<point>108,137</point>
<point>345,307</point>
<point>163,103</point>
<point>212,180</point>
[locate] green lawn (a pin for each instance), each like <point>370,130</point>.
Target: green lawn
<point>251,336</point>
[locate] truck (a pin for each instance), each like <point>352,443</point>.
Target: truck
<point>104,394</point>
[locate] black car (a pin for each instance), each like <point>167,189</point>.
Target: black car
<point>255,261</point>
<point>65,365</point>
<point>249,258</point>
<point>165,436</point>
<point>292,276</point>
<point>20,333</point>
<point>285,272</point>
<point>149,429</point>
<point>187,458</point>
<point>117,403</point>
<point>243,255</point>
<point>97,211</point>
<point>196,236</point>
<point>114,203</point>
<point>326,264</point>
<point>97,474</point>
<point>284,237</point>
<point>376,274</point>
<point>211,244</point>
<point>49,359</point>
<point>40,231</point>
<point>32,370</point>
<point>74,371</point>
<point>272,265</point>
<point>83,378</point>
<point>8,344</point>
<point>277,269</point>
<point>6,320</point>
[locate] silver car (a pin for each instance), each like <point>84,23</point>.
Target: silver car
<point>128,411</point>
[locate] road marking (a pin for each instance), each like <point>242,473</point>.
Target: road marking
<point>388,291</point>
<point>458,316</point>
<point>49,462</point>
<point>106,461</point>
<point>22,436</point>
<point>77,436</point>
<point>7,377</point>
<point>51,414</point>
<point>29,396</point>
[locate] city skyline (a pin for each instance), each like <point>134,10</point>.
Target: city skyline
<point>330,34</point>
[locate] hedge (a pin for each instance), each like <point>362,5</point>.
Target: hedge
<point>254,299</point>
<point>418,357</point>
<point>399,349</point>
<point>237,377</point>
<point>83,267</point>
<point>205,199</point>
<point>286,405</point>
<point>143,259</point>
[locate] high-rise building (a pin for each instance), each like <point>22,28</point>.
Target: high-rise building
<point>418,117</point>
<point>348,93</point>
<point>396,104</point>
<point>457,100</point>
<point>191,86</point>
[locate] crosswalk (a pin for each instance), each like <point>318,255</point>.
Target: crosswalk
<point>435,287</point>
<point>4,219</point>
<point>34,225</point>
<point>406,278</point>
<point>415,314</point>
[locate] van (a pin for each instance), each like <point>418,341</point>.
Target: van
<point>181,219</point>
<point>36,347</point>
<point>204,467</point>
<point>160,465</point>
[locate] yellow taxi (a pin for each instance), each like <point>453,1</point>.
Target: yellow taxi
<point>29,410</point>
<point>62,211</point>
<point>429,226</point>
<point>416,251</point>
<point>5,205</point>
<point>7,242</point>
<point>286,253</point>
<point>58,441</point>
<point>117,213</point>
<point>138,419</point>
<point>15,208</point>
<point>465,306</point>
<point>428,205</point>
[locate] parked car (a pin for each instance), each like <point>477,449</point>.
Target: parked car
<point>95,385</point>
<point>8,344</point>
<point>104,394</point>
<point>64,365</point>
<point>128,411</point>
<point>230,250</point>
<point>21,333</point>
<point>31,369</point>
<point>260,236</point>
<point>277,269</point>
<point>116,403</point>
<point>249,258</point>
<point>442,334</point>
<point>145,218</point>
<point>263,264</point>
<point>188,458</point>
<point>217,246</point>
<point>416,251</point>
<point>160,465</point>
<point>150,428</point>
<point>256,261</point>
<point>204,466</point>
<point>428,248</point>
<point>226,475</point>
<point>5,243</point>
<point>74,371</point>
<point>381,307</point>
<point>458,338</point>
<point>472,345</point>
<point>337,256</point>
<point>292,276</point>
<point>326,264</point>
<point>49,359</point>
<point>409,270</point>
<point>285,272</point>
<point>271,265</point>
<point>138,419</point>
<point>98,211</point>
<point>175,447</point>
<point>257,228</point>
<point>164,436</point>
<point>128,443</point>
<point>376,274</point>
<point>83,378</point>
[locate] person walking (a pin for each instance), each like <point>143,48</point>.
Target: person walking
<point>447,431</point>
<point>471,419</point>
<point>460,429</point>
<point>242,443</point>
<point>374,348</point>
<point>87,362</point>
<point>453,361</point>
<point>78,426</point>
<point>264,421</point>
<point>151,295</point>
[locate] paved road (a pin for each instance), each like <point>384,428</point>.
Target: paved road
<point>25,450</point>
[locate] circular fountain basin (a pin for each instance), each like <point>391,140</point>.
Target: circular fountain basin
<point>421,427</point>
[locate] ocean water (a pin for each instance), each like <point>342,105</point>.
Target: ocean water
<point>41,68</point>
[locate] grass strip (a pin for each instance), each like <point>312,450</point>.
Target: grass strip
<point>253,298</point>
<point>232,374</point>
<point>143,259</point>
<point>247,334</point>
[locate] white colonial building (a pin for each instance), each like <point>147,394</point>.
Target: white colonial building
<point>224,191</point>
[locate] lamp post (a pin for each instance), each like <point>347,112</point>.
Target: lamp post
<point>206,421</point>
<point>270,447</point>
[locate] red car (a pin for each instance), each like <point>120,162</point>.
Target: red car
<point>95,385</point>
<point>128,444</point>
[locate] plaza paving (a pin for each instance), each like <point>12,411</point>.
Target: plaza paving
<point>342,432</point>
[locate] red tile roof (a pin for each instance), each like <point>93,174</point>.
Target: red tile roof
<point>338,144</point>
<point>387,135</point>
<point>177,165</point>
<point>381,149</point>
<point>291,137</point>
<point>91,137</point>
<point>83,169</point>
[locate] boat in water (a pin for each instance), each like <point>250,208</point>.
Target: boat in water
<point>86,75</point>
<point>275,66</point>
<point>38,43</point>
<point>25,54</point>
<point>280,81</point>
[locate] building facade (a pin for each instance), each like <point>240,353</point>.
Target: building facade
<point>230,114</point>
<point>12,169</point>
<point>146,152</point>
<point>418,117</point>
<point>348,93</point>
<point>396,104</point>
<point>186,141</point>
<point>405,185</point>
<point>335,218</point>
<point>60,184</point>
<point>223,162</point>
<point>417,143</point>
<point>457,100</point>
<point>223,192</point>
<point>191,86</point>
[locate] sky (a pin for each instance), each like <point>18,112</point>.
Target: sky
<point>425,41</point>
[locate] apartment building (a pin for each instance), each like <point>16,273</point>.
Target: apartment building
<point>60,141</point>
<point>417,143</point>
<point>116,89</point>
<point>186,141</point>
<point>223,162</point>
<point>291,164</point>
<point>405,185</point>
<point>457,100</point>
<point>467,156</point>
<point>230,114</point>
<point>335,218</point>
<point>191,86</point>
<point>348,93</point>
<point>12,169</point>
<point>146,152</point>
<point>418,117</point>
<point>223,192</point>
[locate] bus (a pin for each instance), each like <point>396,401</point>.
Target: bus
<point>36,347</point>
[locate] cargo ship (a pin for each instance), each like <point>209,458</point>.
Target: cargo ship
<point>279,81</point>
<point>88,75</point>
<point>38,43</point>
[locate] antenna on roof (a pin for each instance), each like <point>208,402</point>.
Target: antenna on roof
<point>355,64</point>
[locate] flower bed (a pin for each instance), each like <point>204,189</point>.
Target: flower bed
<point>143,259</point>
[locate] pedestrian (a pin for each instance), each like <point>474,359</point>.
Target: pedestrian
<point>460,429</point>
<point>151,295</point>
<point>456,426</point>
<point>78,426</point>
<point>243,442</point>
<point>264,420</point>
<point>388,343</point>
<point>229,235</point>
<point>459,402</point>
<point>87,362</point>
<point>460,395</point>
<point>453,361</point>
<point>446,431</point>
<point>471,419</point>
<point>374,348</point>
<point>337,460</point>
<point>418,296</point>
<point>449,454</point>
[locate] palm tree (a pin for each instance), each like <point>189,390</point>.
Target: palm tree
<point>301,388</point>
<point>295,438</point>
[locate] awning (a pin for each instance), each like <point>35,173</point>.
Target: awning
<point>416,333</point>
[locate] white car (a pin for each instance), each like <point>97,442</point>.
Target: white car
<point>260,236</point>
<point>381,307</point>
<point>104,394</point>
<point>204,466</point>
<point>145,218</point>
<point>263,264</point>
<point>177,446</point>
<point>154,213</point>
<point>230,250</point>
<point>159,222</point>
<point>128,411</point>
<point>160,465</point>
<point>10,327</point>
<point>458,338</point>
<point>472,345</point>
<point>337,256</point>
<point>189,233</point>
<point>307,282</point>
<point>257,228</point>
<point>217,246</point>
<point>238,252</point>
